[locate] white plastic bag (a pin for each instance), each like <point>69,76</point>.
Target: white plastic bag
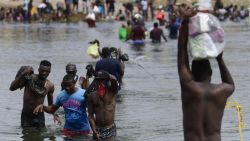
<point>202,23</point>
<point>198,24</point>
<point>206,36</point>
<point>202,46</point>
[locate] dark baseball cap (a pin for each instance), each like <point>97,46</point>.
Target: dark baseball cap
<point>102,75</point>
<point>71,67</point>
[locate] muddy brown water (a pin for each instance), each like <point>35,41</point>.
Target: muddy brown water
<point>149,104</point>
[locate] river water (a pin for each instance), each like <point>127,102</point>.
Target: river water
<point>149,104</point>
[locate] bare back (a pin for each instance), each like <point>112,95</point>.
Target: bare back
<point>203,108</point>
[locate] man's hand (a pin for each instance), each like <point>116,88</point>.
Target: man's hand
<point>57,119</point>
<point>38,109</point>
<point>90,71</point>
<point>96,136</point>
<point>28,70</point>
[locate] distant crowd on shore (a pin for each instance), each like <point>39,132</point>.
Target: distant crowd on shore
<point>232,12</point>
<point>108,9</point>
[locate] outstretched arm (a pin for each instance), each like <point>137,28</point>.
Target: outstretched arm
<point>48,109</point>
<point>225,75</point>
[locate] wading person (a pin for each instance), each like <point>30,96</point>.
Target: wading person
<point>71,69</point>
<point>74,104</point>
<point>110,65</point>
<point>203,102</point>
<point>101,107</point>
<point>156,33</point>
<point>36,87</point>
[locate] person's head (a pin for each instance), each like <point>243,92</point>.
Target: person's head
<point>44,69</point>
<point>102,78</point>
<point>201,70</point>
<point>71,69</point>
<point>123,25</point>
<point>155,24</point>
<point>68,83</point>
<point>105,52</point>
<point>113,52</point>
<point>95,42</point>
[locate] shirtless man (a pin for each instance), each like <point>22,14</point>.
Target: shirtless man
<point>156,33</point>
<point>37,86</point>
<point>101,107</point>
<point>203,103</point>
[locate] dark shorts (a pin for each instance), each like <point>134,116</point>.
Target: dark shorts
<point>111,8</point>
<point>107,133</point>
<point>31,120</point>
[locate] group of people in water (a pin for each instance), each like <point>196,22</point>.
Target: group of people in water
<point>91,106</point>
<point>75,96</point>
<point>136,31</point>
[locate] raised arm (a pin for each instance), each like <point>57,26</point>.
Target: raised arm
<point>225,75</point>
<point>114,84</point>
<point>19,81</point>
<point>183,62</point>
<point>84,82</point>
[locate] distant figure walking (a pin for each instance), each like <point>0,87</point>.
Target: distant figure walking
<point>156,34</point>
